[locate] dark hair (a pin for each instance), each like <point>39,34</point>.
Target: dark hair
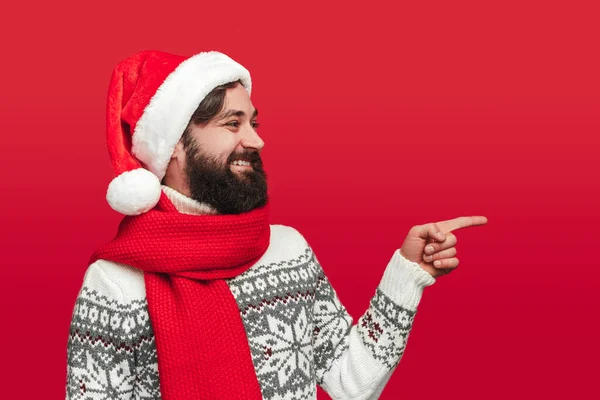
<point>209,107</point>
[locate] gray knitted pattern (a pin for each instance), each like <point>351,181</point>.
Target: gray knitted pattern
<point>111,351</point>
<point>296,328</point>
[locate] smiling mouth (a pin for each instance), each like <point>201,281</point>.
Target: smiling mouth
<point>240,163</point>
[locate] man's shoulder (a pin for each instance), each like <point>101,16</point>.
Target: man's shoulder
<point>286,244</point>
<point>115,282</point>
<point>287,235</point>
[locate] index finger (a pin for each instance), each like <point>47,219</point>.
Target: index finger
<point>461,222</point>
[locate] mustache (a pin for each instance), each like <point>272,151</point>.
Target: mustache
<point>251,156</point>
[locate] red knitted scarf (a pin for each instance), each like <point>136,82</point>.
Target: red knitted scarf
<point>201,342</point>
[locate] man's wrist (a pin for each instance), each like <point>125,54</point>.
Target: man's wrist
<point>404,280</point>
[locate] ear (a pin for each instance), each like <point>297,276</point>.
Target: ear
<point>175,170</point>
<point>179,150</point>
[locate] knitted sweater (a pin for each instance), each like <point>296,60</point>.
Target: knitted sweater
<point>299,333</point>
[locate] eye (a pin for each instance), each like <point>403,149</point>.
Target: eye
<point>235,124</point>
<point>255,125</point>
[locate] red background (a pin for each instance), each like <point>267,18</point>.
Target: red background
<point>376,117</point>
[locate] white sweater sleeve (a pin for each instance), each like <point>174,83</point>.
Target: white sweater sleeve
<point>105,351</point>
<point>356,361</point>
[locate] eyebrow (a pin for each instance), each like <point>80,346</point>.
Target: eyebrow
<point>237,113</point>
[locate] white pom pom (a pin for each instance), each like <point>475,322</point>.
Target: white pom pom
<point>134,192</point>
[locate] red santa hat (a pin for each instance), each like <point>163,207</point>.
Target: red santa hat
<point>151,98</point>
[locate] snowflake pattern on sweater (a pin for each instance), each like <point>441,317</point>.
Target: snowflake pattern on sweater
<point>111,351</point>
<point>299,333</point>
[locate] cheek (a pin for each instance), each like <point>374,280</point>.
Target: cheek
<point>220,146</point>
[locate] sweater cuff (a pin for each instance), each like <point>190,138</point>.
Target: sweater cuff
<point>404,280</point>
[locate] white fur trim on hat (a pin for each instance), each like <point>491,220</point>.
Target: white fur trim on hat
<point>134,192</point>
<point>167,115</point>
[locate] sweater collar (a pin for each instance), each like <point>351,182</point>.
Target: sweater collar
<point>187,205</point>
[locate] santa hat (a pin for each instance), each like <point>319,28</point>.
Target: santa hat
<point>151,98</point>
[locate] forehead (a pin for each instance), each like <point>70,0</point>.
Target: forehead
<point>238,98</point>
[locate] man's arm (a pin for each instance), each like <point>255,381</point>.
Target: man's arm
<point>100,353</point>
<point>356,361</point>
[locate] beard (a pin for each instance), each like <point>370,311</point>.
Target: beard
<point>214,183</point>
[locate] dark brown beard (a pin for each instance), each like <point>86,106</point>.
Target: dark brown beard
<point>215,184</point>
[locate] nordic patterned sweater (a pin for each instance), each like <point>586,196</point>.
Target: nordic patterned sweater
<point>299,333</point>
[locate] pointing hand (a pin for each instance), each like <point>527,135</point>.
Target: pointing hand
<point>441,260</point>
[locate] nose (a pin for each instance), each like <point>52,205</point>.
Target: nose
<point>251,139</point>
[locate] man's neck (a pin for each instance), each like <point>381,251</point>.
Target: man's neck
<point>187,205</point>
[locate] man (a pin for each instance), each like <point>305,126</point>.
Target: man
<point>198,297</point>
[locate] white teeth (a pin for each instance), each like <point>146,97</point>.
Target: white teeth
<point>240,162</point>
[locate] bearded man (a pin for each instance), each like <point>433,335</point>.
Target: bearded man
<point>198,296</point>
